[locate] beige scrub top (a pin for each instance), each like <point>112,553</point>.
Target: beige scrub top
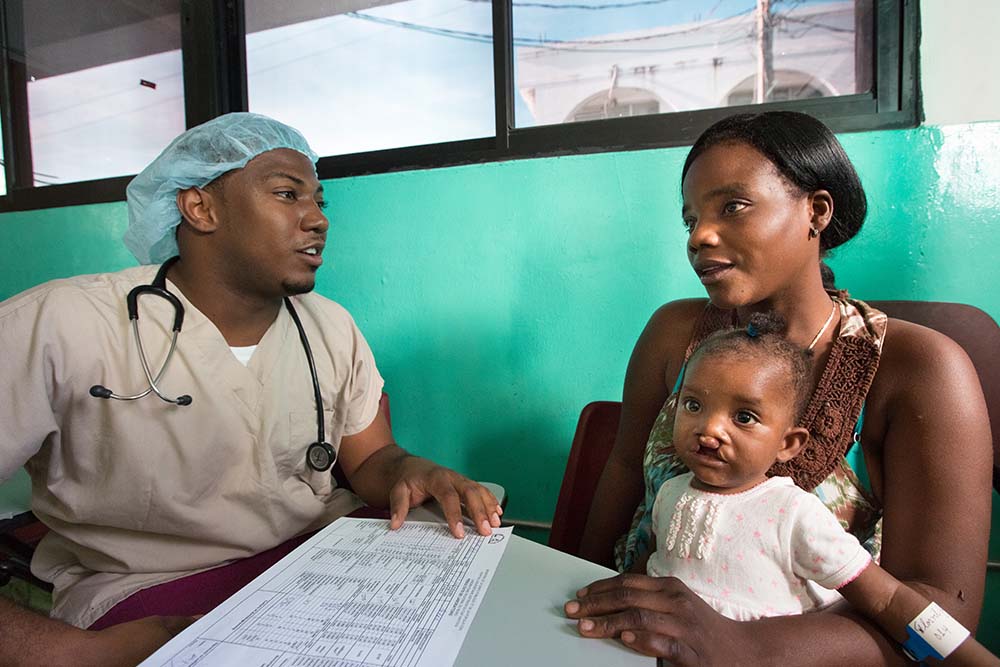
<point>142,492</point>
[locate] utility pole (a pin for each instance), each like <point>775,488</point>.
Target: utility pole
<point>610,102</point>
<point>765,63</point>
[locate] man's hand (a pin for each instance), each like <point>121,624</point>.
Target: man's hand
<point>382,473</point>
<point>420,480</point>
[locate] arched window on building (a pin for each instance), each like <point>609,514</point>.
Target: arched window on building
<point>787,85</point>
<point>620,103</point>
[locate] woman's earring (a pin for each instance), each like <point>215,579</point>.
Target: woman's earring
<point>813,232</point>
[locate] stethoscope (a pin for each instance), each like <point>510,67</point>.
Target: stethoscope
<point>320,455</point>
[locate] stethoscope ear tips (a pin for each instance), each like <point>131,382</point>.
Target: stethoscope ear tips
<point>100,391</point>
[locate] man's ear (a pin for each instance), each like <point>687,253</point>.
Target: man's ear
<point>821,203</point>
<point>198,207</point>
<point>792,442</point>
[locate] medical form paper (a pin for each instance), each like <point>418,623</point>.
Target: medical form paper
<point>354,595</point>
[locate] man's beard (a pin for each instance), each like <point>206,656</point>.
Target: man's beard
<point>301,287</point>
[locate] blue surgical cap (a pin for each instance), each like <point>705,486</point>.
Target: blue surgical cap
<point>195,159</point>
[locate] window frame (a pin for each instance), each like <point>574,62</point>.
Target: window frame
<point>213,50</point>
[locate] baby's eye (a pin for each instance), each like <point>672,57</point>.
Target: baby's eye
<point>746,417</point>
<point>733,207</point>
<point>322,205</point>
<point>689,224</point>
<point>691,405</point>
<point>286,194</point>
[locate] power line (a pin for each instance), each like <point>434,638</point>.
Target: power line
<point>610,5</point>
<point>102,119</point>
<point>555,44</point>
<point>323,23</point>
<point>102,97</point>
<point>813,24</point>
<point>37,175</point>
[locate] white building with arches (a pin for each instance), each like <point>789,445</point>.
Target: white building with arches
<point>708,64</point>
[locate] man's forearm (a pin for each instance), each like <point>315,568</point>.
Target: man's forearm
<point>28,638</point>
<point>376,475</point>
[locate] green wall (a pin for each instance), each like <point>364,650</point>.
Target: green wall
<point>500,298</point>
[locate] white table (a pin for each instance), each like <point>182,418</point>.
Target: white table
<point>521,621</point>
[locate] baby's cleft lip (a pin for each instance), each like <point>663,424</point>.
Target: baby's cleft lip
<point>707,454</point>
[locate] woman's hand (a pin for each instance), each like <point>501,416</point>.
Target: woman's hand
<point>660,616</point>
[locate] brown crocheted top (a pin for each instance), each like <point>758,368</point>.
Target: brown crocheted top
<point>834,407</point>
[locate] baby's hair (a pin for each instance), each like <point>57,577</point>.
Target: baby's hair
<point>763,337</point>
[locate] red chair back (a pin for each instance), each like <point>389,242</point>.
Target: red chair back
<point>595,436</point>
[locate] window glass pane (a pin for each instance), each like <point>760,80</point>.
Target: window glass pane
<point>589,59</point>
<point>104,85</point>
<point>361,75</point>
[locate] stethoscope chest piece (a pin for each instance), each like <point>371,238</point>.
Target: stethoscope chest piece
<point>321,456</point>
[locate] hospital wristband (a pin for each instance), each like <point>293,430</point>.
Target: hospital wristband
<point>933,634</point>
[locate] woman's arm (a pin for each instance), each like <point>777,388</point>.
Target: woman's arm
<point>652,369</point>
<point>935,471</point>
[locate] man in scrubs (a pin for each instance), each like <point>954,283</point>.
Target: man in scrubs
<point>146,499</point>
